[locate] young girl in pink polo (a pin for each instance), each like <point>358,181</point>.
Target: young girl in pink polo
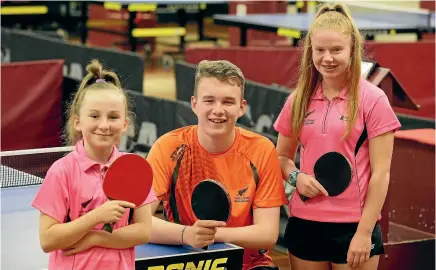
<point>71,200</point>
<point>334,109</point>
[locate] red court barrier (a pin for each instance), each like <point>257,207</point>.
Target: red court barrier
<point>260,64</point>
<point>16,43</point>
<point>412,186</point>
<point>408,255</point>
<point>430,5</point>
<point>31,104</point>
<point>409,217</point>
<point>412,63</point>
<point>414,66</point>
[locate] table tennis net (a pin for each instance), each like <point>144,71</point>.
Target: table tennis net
<point>28,167</point>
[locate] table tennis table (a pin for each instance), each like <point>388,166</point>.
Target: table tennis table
<point>297,25</point>
<point>133,34</point>
<point>21,248</point>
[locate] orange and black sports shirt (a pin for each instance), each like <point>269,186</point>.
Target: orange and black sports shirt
<point>249,170</point>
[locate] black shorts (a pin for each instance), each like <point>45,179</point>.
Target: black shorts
<point>322,241</point>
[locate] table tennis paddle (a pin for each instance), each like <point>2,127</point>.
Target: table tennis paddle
<point>129,178</point>
<point>211,201</point>
<point>333,171</point>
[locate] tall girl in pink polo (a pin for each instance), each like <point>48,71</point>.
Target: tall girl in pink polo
<point>71,200</point>
<point>331,109</point>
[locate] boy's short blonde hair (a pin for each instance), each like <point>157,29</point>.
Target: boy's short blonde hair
<point>222,70</point>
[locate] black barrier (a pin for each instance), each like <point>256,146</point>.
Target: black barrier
<point>413,122</point>
<point>154,118</point>
<point>5,41</point>
<point>69,87</point>
<point>20,45</point>
<point>185,80</point>
<point>265,102</point>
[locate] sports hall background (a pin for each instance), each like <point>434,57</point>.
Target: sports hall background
<point>43,60</point>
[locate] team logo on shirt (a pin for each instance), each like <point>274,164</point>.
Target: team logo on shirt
<point>240,195</point>
<point>178,152</point>
<point>344,118</point>
<point>308,121</point>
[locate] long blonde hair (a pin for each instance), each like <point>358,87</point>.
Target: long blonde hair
<point>96,79</point>
<point>332,16</point>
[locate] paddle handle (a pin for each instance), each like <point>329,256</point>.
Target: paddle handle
<point>303,198</point>
<point>108,227</point>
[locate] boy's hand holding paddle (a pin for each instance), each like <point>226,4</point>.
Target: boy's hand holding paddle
<point>202,233</point>
<point>211,205</point>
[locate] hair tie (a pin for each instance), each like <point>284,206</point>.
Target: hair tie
<point>100,80</point>
<point>337,9</point>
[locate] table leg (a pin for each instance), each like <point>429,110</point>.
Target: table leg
<point>84,21</point>
<point>131,26</point>
<point>243,40</point>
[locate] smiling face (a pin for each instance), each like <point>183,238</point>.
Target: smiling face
<point>331,52</point>
<point>102,118</point>
<point>218,105</point>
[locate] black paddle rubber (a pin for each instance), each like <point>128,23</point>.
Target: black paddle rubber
<point>210,201</point>
<point>333,171</point>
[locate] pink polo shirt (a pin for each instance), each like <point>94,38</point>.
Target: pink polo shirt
<point>323,127</point>
<point>73,187</point>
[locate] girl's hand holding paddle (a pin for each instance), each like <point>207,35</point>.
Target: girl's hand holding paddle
<point>308,186</point>
<point>111,211</point>
<point>202,233</point>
